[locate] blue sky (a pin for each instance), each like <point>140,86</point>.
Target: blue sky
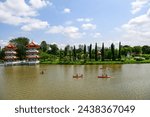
<point>76,22</point>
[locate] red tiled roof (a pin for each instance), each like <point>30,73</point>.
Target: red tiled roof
<point>10,46</point>
<point>32,45</point>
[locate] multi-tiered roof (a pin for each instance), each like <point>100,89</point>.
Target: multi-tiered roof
<point>32,51</point>
<point>10,52</point>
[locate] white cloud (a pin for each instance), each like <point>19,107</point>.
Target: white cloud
<point>88,26</point>
<point>39,3</point>
<point>70,31</point>
<point>96,35</point>
<point>17,8</point>
<point>67,10</point>
<point>137,29</point>
<point>56,29</point>
<point>18,12</point>
<point>84,19</point>
<point>35,25</point>
<point>68,22</point>
<point>137,5</point>
<point>3,43</point>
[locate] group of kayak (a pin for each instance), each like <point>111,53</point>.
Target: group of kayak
<point>81,76</point>
<point>78,76</point>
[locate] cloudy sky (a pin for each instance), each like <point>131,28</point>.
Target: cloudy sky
<point>76,21</point>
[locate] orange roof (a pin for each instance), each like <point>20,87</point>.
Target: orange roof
<point>10,46</point>
<point>32,45</point>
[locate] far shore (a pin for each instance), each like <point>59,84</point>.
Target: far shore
<point>96,62</point>
<point>92,62</point>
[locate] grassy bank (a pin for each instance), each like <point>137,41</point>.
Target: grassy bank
<point>96,62</point>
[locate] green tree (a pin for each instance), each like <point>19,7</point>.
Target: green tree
<point>2,54</point>
<point>125,50</point>
<point>20,43</point>
<point>90,52</point>
<point>119,56</point>
<point>96,58</point>
<point>84,52</point>
<point>70,54</point>
<point>66,50</point>
<point>60,54</point>
<point>44,56</point>
<point>137,50</point>
<point>102,52</point>
<point>113,51</point>
<point>108,54</point>
<point>43,46</point>
<point>74,53</point>
<point>146,49</point>
<point>53,49</point>
<point>79,51</point>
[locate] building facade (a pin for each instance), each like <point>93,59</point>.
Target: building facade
<point>32,53</point>
<point>10,54</point>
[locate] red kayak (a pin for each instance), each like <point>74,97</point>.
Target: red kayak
<point>103,76</point>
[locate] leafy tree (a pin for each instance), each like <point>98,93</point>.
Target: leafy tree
<point>125,50</point>
<point>102,52</point>
<point>146,49</point>
<point>66,50</point>
<point>79,51</point>
<point>96,58</point>
<point>137,49</point>
<point>20,43</point>
<point>113,51</point>
<point>44,56</point>
<point>2,53</point>
<point>53,49</point>
<point>60,54</point>
<point>108,54</point>
<point>43,46</point>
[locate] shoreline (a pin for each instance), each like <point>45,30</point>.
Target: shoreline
<point>92,62</point>
<point>96,63</point>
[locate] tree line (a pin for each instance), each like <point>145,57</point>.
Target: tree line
<point>82,53</point>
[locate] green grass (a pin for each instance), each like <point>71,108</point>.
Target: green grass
<point>96,62</point>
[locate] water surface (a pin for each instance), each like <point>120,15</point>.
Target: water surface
<point>25,82</point>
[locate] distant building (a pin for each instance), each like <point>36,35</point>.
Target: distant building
<point>32,53</point>
<point>10,54</point>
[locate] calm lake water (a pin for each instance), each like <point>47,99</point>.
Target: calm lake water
<point>25,82</point>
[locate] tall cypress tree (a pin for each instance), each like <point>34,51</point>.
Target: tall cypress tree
<point>113,51</point>
<point>74,53</point>
<point>119,56</point>
<point>90,52</point>
<point>84,52</point>
<point>96,59</point>
<point>102,52</point>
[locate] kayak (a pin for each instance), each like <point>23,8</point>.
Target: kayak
<point>78,76</point>
<point>103,76</point>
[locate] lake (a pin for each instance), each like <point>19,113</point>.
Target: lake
<point>127,82</point>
